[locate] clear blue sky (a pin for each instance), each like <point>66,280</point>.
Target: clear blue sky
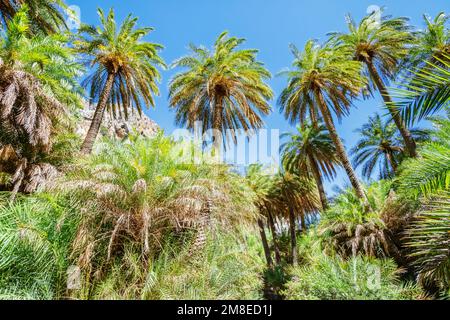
<point>268,25</point>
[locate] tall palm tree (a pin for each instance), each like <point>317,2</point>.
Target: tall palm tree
<point>262,184</point>
<point>296,197</point>
<point>381,46</point>
<point>37,87</point>
<point>380,144</point>
<point>310,151</point>
<point>45,15</point>
<point>124,68</point>
<point>325,81</point>
<point>223,88</point>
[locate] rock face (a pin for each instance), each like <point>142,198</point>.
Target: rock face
<point>118,127</point>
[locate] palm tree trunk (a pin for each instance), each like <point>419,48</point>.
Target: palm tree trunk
<point>274,236</point>
<point>303,222</point>
<point>391,161</point>
<point>265,243</point>
<point>96,122</point>
<point>314,118</point>
<point>340,149</point>
<point>293,236</point>
<point>406,134</point>
<point>317,176</point>
<point>217,123</point>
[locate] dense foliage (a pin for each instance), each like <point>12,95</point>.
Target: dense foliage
<point>151,217</point>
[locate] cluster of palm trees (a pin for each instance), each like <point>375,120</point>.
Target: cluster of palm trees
<point>324,81</point>
<point>283,196</point>
<point>225,88</point>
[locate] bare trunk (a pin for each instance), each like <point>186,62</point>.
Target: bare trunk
<point>340,149</point>
<point>314,118</point>
<point>274,236</point>
<point>406,134</point>
<point>391,161</point>
<point>317,176</point>
<point>265,243</point>
<point>96,122</point>
<point>293,236</point>
<point>217,123</point>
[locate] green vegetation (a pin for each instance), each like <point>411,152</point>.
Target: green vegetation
<point>140,217</point>
<point>35,237</point>
<point>359,278</point>
<point>223,89</point>
<point>124,74</point>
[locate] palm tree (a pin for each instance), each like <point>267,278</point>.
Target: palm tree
<point>377,146</point>
<point>310,151</point>
<point>296,197</point>
<point>124,68</point>
<point>36,88</point>
<point>350,231</point>
<point>324,79</point>
<point>381,46</point>
<point>143,201</point>
<point>380,145</point>
<point>224,89</point>
<point>262,185</point>
<point>45,15</point>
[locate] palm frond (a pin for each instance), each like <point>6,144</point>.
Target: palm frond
<point>427,94</point>
<point>428,237</point>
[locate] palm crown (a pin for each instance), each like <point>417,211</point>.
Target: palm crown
<point>378,145</point>
<point>124,67</point>
<point>426,90</point>
<point>381,45</point>
<point>224,89</point>
<point>320,69</point>
<point>45,15</point>
<point>311,152</point>
<point>121,51</point>
<point>381,145</point>
<point>433,43</point>
<point>307,144</point>
<point>38,81</point>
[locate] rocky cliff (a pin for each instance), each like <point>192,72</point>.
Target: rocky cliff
<point>118,127</point>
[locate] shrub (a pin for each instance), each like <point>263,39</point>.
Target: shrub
<point>35,243</point>
<point>428,237</point>
<point>229,267</point>
<point>349,230</point>
<point>139,194</point>
<point>359,278</point>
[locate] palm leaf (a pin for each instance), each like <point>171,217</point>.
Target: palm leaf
<point>427,94</point>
